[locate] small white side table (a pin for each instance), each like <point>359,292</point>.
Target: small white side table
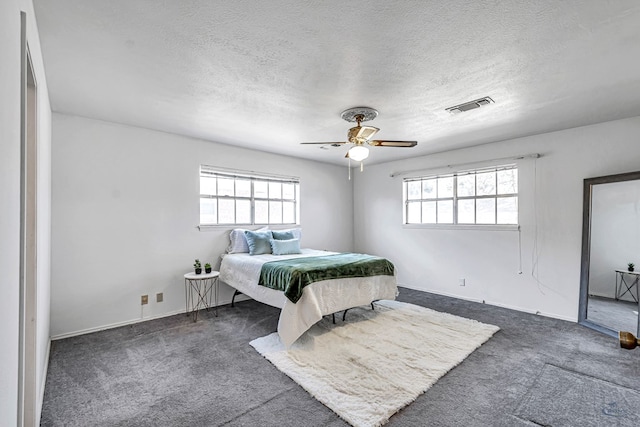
<point>197,292</point>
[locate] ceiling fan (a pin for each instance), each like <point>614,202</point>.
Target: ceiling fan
<point>359,135</point>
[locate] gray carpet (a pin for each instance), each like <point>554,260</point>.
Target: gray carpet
<point>564,398</point>
<point>173,372</point>
<point>617,315</point>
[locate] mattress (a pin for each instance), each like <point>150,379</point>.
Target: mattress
<point>242,272</point>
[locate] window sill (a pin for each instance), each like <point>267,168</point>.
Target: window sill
<point>476,227</point>
<point>211,227</point>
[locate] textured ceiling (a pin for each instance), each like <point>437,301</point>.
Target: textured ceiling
<point>270,74</point>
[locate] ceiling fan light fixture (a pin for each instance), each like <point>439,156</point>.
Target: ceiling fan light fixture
<point>358,153</point>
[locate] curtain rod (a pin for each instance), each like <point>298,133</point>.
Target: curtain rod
<point>245,173</point>
<point>455,165</point>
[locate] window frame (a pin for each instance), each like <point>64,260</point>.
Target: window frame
<point>252,177</point>
<point>455,198</point>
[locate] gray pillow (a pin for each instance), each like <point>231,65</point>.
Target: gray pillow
<point>282,235</point>
<point>296,232</point>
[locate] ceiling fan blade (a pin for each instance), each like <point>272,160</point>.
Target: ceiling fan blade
<point>386,143</point>
<point>325,143</point>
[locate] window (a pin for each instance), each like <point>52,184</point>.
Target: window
<point>483,196</point>
<point>238,198</point>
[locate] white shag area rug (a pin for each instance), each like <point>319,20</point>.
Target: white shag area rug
<point>368,368</point>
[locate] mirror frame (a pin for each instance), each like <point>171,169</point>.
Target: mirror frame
<point>586,245</point>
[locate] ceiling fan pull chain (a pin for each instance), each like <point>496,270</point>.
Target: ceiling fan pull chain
<point>349,167</point>
<point>361,166</point>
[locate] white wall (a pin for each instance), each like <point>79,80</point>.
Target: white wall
<point>615,235</point>
<point>550,217</point>
<point>125,210</point>
<point>10,203</point>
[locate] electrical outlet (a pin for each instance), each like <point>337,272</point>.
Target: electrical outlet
<point>159,297</point>
<point>461,282</point>
<point>144,299</point>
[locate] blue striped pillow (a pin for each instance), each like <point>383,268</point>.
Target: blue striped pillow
<point>259,242</point>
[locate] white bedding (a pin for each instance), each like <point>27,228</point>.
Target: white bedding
<point>242,271</point>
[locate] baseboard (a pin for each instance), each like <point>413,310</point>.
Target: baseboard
<point>133,321</point>
<point>244,298</point>
<point>495,304</point>
<point>444,294</point>
<point>44,382</point>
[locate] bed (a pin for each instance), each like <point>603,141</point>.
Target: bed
<point>242,271</point>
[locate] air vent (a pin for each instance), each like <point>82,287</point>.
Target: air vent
<point>472,105</point>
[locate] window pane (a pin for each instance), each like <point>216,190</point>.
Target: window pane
<point>486,211</point>
<point>288,213</point>
<point>245,199</point>
<point>508,181</point>
<point>508,210</point>
<point>486,183</point>
<point>227,211</point>
<point>466,211</point>
<point>225,187</point>
<point>275,190</point>
<point>288,191</point>
<point>275,212</point>
<point>208,211</point>
<point>445,211</point>
<point>243,188</point>
<point>429,189</point>
<point>467,185</point>
<point>428,212</point>
<point>208,185</point>
<point>262,212</point>
<point>474,194</point>
<point>413,190</point>
<point>243,212</point>
<point>413,213</point>
<point>445,188</point>
<point>260,189</point>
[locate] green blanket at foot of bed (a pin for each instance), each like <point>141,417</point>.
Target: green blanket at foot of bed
<point>292,275</point>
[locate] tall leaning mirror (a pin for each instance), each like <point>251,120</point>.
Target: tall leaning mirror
<point>609,280</point>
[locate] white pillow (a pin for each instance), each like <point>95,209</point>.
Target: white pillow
<point>238,241</point>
